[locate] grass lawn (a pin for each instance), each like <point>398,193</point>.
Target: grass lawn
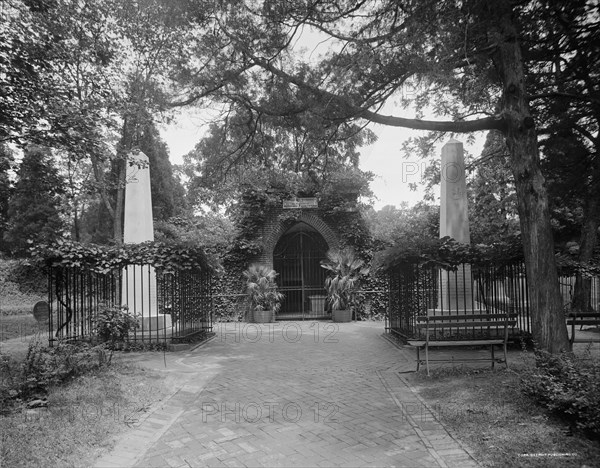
<point>17,301</point>
<point>16,309</point>
<point>487,411</point>
<point>20,326</point>
<point>82,420</point>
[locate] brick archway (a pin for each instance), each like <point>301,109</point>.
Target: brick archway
<point>271,238</point>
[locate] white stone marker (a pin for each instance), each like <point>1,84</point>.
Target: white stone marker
<point>139,281</point>
<point>454,214</point>
<point>456,292</point>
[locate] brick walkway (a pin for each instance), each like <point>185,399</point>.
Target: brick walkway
<point>289,394</point>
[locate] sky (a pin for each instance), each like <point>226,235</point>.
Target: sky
<point>384,158</point>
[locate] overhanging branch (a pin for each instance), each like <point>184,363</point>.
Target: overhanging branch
<point>461,126</point>
<point>353,111</point>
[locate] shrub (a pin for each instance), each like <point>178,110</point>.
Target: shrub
<point>42,368</point>
<point>113,323</point>
<point>568,386</point>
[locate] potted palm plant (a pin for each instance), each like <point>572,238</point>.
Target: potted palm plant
<point>346,271</point>
<point>262,294</point>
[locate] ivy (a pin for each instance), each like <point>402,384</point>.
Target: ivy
<point>447,253</point>
<point>338,196</point>
<point>103,259</point>
<point>569,266</point>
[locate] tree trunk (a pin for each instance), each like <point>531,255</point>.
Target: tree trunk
<point>124,148</point>
<point>582,297</point>
<point>100,179</point>
<point>76,227</point>
<point>545,302</point>
<point>120,201</point>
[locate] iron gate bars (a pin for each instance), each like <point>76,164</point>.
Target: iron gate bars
<point>297,259</point>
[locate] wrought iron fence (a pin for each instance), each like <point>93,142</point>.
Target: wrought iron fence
<point>416,290</point>
<point>168,307</point>
<point>567,290</point>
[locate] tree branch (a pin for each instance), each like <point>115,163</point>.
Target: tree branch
<point>461,126</point>
<point>556,94</point>
<point>354,111</point>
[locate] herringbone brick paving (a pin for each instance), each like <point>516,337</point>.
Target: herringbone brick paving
<point>291,394</point>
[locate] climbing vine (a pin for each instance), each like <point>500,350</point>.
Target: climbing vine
<point>447,253</point>
<point>338,198</point>
<point>166,257</point>
<point>338,194</point>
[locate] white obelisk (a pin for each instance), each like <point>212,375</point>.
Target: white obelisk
<point>456,289</point>
<point>139,281</point>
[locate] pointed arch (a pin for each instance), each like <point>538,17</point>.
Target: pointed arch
<point>271,237</point>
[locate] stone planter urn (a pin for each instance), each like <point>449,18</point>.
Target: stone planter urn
<point>263,316</point>
<point>341,316</point>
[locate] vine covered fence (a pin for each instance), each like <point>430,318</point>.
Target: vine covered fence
<point>444,277</point>
<point>165,287</point>
<point>418,290</point>
<point>178,310</point>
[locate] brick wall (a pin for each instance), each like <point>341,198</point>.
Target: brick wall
<point>227,303</point>
<point>278,223</point>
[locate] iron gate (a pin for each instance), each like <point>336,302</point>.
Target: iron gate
<point>301,279</point>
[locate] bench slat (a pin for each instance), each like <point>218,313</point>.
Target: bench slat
<point>441,326</point>
<point>441,318</point>
<point>456,343</point>
<point>583,322</point>
<point>584,314</point>
<point>434,323</point>
<point>498,360</point>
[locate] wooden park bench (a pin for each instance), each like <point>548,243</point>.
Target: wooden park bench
<point>500,322</point>
<point>580,319</point>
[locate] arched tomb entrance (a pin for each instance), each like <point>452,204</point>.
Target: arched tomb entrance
<point>296,257</point>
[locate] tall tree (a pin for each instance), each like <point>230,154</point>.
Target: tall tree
<point>56,73</point>
<point>64,81</point>
<point>168,197</point>
<point>24,45</point>
<point>160,34</point>
<point>492,197</point>
<point>564,76</point>
<point>88,76</point>
<point>248,146</point>
<point>34,210</point>
<point>390,225</point>
<point>167,192</point>
<point>6,160</point>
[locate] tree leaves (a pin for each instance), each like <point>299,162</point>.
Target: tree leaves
<point>102,259</point>
<point>448,253</point>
